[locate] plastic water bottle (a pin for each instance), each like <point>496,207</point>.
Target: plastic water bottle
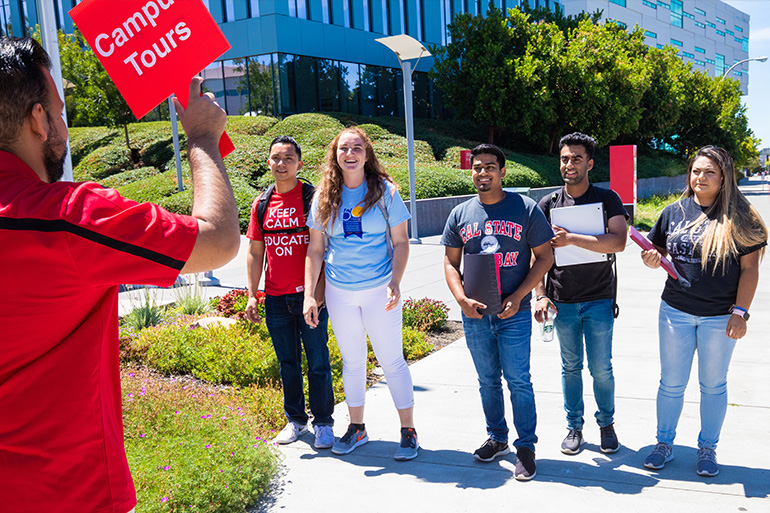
<point>548,328</point>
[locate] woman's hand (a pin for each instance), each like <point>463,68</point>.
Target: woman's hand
<point>736,327</point>
<point>651,258</point>
<point>394,294</point>
<point>310,311</point>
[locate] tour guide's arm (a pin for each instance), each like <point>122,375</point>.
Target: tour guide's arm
<point>612,242</point>
<point>213,203</point>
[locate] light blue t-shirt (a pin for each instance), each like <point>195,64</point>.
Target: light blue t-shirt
<point>357,252</point>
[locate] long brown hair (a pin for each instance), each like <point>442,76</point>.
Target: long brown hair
<point>735,223</point>
<point>330,188</point>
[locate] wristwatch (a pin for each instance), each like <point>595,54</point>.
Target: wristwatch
<point>740,312</point>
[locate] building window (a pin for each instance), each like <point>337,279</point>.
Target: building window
<point>719,67</point>
<point>700,11</point>
<point>720,20</point>
<point>745,45</point>
<point>676,13</point>
<point>736,72</point>
<point>711,61</point>
<point>676,42</point>
<point>650,34</point>
<point>699,49</point>
<point>688,54</point>
<point>688,15</point>
<point>711,25</point>
<point>659,46</point>
<point>618,23</point>
<point>622,3</point>
<point>719,32</point>
<point>649,4</point>
<point>699,24</point>
<point>664,5</point>
<point>699,63</point>
<point>739,29</point>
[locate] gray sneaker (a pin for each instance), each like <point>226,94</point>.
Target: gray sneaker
<point>350,440</point>
<point>573,442</point>
<point>291,431</point>
<point>409,445</point>
<point>707,462</point>
<point>660,455</point>
<point>324,437</point>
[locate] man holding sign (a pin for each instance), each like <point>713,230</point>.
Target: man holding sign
<point>583,295</point>
<point>66,247</point>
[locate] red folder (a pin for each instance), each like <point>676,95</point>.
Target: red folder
<point>645,244</point>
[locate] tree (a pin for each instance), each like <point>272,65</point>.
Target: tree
<point>257,82</point>
<point>94,100</point>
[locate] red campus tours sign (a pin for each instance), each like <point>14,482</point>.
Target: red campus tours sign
<point>152,48</point>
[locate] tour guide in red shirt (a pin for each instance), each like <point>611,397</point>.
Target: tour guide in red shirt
<point>65,248</point>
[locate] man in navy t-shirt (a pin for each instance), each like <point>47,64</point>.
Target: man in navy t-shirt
<point>513,229</point>
<point>583,295</point>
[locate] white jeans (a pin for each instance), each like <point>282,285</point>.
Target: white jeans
<point>354,314</point>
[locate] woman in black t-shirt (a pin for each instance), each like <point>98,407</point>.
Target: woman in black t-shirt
<point>715,239</point>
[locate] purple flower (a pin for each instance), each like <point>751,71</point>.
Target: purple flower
<point>130,374</point>
<point>166,467</point>
<point>208,446</point>
<point>142,435</point>
<point>177,412</point>
<point>164,499</point>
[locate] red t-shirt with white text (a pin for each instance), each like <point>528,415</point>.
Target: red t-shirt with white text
<point>284,252</point>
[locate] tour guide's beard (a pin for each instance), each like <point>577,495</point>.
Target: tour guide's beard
<point>54,154</point>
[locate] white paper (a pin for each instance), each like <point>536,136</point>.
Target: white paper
<point>582,219</point>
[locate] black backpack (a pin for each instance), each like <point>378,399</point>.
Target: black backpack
<point>308,189</point>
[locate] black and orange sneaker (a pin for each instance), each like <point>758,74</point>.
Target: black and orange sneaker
<point>353,438</point>
<point>409,446</point>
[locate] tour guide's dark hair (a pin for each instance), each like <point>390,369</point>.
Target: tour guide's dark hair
<point>287,139</point>
<point>22,84</point>
<point>586,141</point>
<point>489,149</point>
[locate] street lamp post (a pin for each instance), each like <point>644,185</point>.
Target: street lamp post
<point>407,48</point>
<point>760,59</point>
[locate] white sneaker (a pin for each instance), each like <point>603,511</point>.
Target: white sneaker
<point>290,433</point>
<point>324,437</point>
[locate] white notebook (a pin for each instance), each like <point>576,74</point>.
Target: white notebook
<point>583,219</point>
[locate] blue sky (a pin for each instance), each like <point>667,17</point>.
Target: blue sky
<point>758,100</point>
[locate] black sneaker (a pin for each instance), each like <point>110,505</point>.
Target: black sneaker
<point>573,442</point>
<point>525,464</point>
<point>609,439</point>
<point>490,450</point>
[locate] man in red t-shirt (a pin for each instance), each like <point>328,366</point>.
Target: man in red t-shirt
<point>65,249</point>
<point>279,235</point>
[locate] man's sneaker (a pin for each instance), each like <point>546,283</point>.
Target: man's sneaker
<point>660,455</point>
<point>490,450</point>
<point>324,437</point>
<point>409,445</point>
<point>525,464</point>
<point>609,439</point>
<point>290,433</point>
<point>707,462</point>
<point>573,442</point>
<point>353,438</point>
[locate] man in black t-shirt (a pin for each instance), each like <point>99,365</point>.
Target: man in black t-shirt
<point>583,295</point>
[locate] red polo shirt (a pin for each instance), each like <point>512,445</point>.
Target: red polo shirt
<point>64,248</point>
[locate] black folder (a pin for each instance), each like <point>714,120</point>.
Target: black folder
<point>481,281</point>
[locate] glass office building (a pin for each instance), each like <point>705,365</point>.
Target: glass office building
<point>291,56</point>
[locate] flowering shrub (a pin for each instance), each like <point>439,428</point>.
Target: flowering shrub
<point>424,314</point>
<point>233,304</point>
<point>192,447</point>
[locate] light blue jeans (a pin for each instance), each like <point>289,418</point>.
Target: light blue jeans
<point>681,334</point>
<point>590,322</point>
<point>500,349</point>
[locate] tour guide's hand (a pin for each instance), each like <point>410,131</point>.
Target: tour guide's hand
<point>394,294</point>
<point>203,118</point>
<point>510,307</point>
<point>252,313</point>
<point>651,258</point>
<point>541,309</point>
<point>471,307</point>
<point>736,327</point>
<point>559,239</point>
<point>310,310</point>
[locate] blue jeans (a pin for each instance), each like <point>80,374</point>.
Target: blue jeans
<point>501,348</point>
<point>592,322</point>
<point>289,332</point>
<point>681,334</point>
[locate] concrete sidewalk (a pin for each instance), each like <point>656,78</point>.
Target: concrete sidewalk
<point>450,423</point>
